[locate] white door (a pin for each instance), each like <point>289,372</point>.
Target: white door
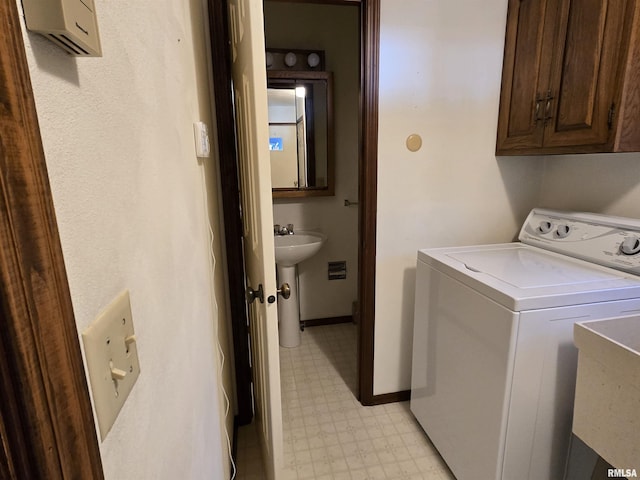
<point>252,124</point>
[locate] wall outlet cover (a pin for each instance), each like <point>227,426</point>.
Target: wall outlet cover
<point>112,360</point>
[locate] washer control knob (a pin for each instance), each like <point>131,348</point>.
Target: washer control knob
<point>563,231</point>
<point>630,246</point>
<point>545,226</point>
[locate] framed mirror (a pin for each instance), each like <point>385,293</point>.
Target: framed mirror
<point>301,133</point>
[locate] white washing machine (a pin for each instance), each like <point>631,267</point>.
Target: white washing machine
<point>494,363</point>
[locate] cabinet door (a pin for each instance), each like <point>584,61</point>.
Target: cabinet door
<point>528,49</point>
<point>585,72</point>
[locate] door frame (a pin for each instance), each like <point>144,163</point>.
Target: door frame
<point>46,421</point>
<point>231,209</point>
<point>367,198</point>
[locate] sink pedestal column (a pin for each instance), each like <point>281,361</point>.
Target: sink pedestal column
<point>288,310</point>
<point>290,250</point>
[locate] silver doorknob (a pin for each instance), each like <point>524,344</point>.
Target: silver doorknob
<point>285,291</point>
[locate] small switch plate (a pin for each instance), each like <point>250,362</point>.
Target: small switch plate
<point>112,360</point>
<point>201,135</point>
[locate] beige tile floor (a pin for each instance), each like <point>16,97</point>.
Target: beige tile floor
<point>328,434</point>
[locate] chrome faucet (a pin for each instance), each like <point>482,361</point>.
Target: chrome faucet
<point>288,230</point>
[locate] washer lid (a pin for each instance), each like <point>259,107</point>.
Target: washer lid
<point>528,268</point>
<point>522,277</point>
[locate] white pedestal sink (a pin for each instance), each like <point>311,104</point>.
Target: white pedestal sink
<point>291,250</point>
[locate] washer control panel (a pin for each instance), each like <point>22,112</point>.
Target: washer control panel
<point>606,240</point>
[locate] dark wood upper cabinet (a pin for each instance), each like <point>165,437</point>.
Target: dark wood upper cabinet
<point>571,78</point>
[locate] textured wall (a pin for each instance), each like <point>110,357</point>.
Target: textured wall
<point>440,73</point>
<point>606,183</point>
<point>129,198</point>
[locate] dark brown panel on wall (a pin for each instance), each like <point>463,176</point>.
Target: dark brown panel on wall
<point>46,420</point>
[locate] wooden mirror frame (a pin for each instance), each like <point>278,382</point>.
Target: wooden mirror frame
<point>329,190</point>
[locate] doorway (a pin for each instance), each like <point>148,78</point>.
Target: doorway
<point>328,280</point>
<point>369,13</point>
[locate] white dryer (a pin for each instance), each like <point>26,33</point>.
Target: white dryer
<point>494,363</point>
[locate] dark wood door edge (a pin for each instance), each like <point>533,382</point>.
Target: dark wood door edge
<point>46,418</point>
<point>230,191</point>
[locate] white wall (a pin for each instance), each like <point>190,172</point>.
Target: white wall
<point>604,183</point>
<point>129,199</point>
<point>335,30</point>
<point>440,73</point>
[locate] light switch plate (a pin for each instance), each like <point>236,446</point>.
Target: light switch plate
<point>112,360</point>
